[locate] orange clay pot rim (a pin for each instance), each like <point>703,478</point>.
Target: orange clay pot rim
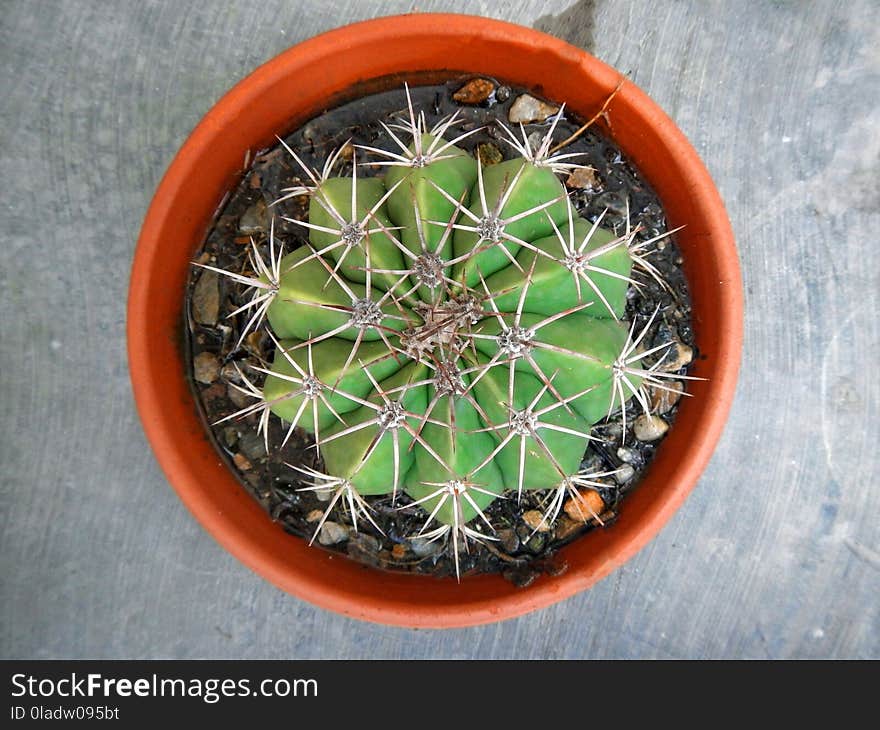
<point>386,606</point>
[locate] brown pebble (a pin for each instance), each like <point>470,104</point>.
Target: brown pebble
<point>256,482</point>
<point>508,540</point>
<point>255,182</point>
<point>534,519</point>
<point>584,178</point>
<point>607,517</point>
<point>253,343</point>
<point>679,356</point>
<point>662,400</point>
<point>314,515</point>
<point>239,399</point>
<point>587,507</point>
<point>230,374</point>
<point>649,428</point>
<point>206,298</point>
<point>242,240</point>
<point>230,436</point>
<point>398,552</point>
<point>206,367</point>
<point>242,462</point>
<point>475,91</point>
<point>565,527</point>
<point>255,219</point>
<point>347,152</point>
<point>521,577</point>
<point>489,154</point>
<point>214,392</point>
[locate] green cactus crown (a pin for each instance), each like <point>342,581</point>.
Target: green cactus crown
<point>449,331</point>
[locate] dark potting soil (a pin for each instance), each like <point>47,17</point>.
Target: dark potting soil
<point>520,553</point>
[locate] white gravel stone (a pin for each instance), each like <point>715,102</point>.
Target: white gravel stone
<point>649,428</point>
<point>527,109</point>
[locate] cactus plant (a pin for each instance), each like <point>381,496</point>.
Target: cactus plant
<point>448,331</point>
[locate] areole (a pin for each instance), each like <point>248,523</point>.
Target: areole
<point>296,86</point>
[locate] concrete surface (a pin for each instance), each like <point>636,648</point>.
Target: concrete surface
<point>776,553</point>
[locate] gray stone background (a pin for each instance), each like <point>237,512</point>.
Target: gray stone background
<point>776,553</point>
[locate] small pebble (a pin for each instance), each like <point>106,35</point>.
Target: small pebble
<point>535,139</point>
<point>662,400</point>
<point>398,552</point>
<point>253,343</point>
<point>527,109</point>
<point>241,461</point>
<point>489,154</point>
<point>565,527</point>
<point>536,543</point>
<point>624,474</point>
<point>592,462</point>
<point>206,298</point>
<point>259,487</point>
<point>206,367</point>
<point>614,201</point>
<point>239,399</point>
<point>475,91</point>
<point>649,428</point>
<point>364,548</point>
<point>521,577</point>
<point>679,356</point>
<point>502,94</point>
<point>314,516</point>
<point>627,455</point>
<point>346,152</point>
<point>213,392</point>
<point>423,548</point>
<point>611,432</point>
<point>230,374</point>
<point>586,507</point>
<point>254,218</point>
<point>252,445</point>
<point>230,436</point>
<point>225,332</point>
<point>607,517</point>
<point>536,521</point>
<point>332,533</point>
<point>508,540</point>
<point>584,178</point>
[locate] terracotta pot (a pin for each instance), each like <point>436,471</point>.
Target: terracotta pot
<point>284,93</point>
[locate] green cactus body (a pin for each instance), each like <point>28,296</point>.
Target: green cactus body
<point>510,189</point>
<point>355,208</point>
<point>371,457</point>
<point>282,388</point>
<point>307,305</point>
<point>455,176</point>
<point>583,353</point>
<point>555,287</point>
<point>460,383</point>
<point>557,444</point>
